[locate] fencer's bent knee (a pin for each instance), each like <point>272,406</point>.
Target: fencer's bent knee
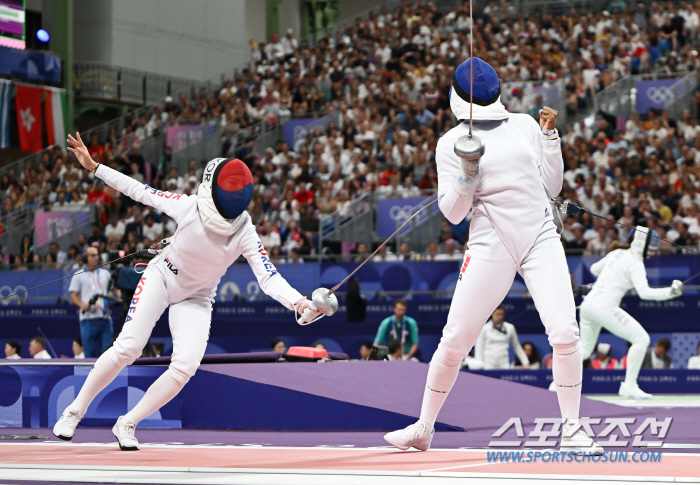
<point>179,376</point>
<point>446,357</point>
<point>126,351</point>
<point>566,349</point>
<point>564,333</point>
<point>185,368</point>
<point>642,340</point>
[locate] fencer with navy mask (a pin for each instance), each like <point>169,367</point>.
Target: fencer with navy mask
<point>618,272</point>
<point>511,231</point>
<point>213,230</point>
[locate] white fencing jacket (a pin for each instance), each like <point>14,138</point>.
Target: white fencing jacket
<point>520,170</point>
<point>197,256</point>
<point>620,271</point>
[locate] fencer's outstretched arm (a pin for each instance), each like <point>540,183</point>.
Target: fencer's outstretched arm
<point>172,204</point>
<point>454,205</point>
<point>269,279</point>
<point>638,276</point>
<point>550,161</point>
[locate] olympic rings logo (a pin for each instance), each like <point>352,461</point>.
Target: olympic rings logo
<point>660,95</point>
<point>6,291</point>
<point>398,213</point>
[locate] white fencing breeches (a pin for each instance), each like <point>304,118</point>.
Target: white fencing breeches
<point>485,277</point>
<point>190,321</point>
<point>597,314</point>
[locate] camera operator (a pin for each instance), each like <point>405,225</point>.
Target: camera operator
<point>90,291</point>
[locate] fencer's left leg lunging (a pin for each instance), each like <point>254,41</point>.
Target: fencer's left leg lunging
<point>148,303</point>
<point>190,321</point>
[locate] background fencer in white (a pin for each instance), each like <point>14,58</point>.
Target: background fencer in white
<point>213,231</point>
<point>511,231</point>
<point>620,271</point>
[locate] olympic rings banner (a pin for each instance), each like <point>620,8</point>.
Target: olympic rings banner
<point>375,278</point>
<point>16,281</point>
<point>391,213</point>
<point>657,94</point>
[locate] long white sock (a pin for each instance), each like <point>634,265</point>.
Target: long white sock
<point>567,371</point>
<point>635,358</point>
<point>103,372</point>
<point>442,375</point>
<point>166,387</point>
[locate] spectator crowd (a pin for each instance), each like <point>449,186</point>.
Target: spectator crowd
<point>385,80</point>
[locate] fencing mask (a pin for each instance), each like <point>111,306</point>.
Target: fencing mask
<point>224,194</point>
<point>645,242</point>
<point>487,92</point>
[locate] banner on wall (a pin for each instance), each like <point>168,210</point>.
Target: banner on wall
<point>657,94</point>
<point>37,66</point>
<point>376,278</point>
<point>49,226</point>
<point>180,137</point>
<point>391,213</point>
<point>299,129</point>
<point>28,102</point>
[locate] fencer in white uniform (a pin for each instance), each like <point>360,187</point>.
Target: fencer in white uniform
<point>213,231</point>
<point>511,231</point>
<point>619,271</point>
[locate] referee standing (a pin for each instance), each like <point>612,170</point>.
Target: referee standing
<point>95,321</point>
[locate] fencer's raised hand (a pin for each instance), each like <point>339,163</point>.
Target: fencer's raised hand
<point>677,288</point>
<point>80,151</point>
<point>548,118</point>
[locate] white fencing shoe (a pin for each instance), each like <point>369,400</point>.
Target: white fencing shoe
<point>573,438</point>
<point>124,432</point>
<point>632,390</point>
<point>415,435</point>
<point>65,427</point>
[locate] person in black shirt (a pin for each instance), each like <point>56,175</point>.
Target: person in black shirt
<point>247,153</point>
<point>578,243</point>
<point>684,238</point>
<point>356,303</point>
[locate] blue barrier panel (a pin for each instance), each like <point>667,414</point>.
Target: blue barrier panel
<point>34,396</point>
<point>406,277</point>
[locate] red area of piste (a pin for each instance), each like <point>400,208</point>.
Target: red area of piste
<point>329,459</point>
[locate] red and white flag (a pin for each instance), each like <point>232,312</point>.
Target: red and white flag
<point>55,114</point>
<point>29,118</point>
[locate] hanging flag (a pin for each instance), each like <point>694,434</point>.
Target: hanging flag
<point>29,118</point>
<point>5,97</point>
<point>55,114</point>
